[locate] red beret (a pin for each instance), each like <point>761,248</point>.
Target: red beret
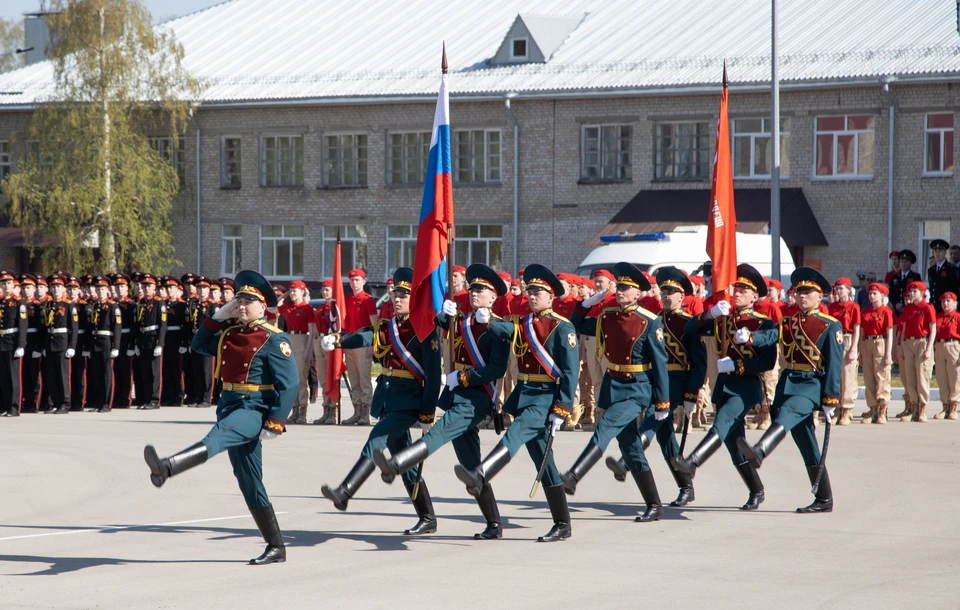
<point>297,284</point>
<point>771,283</point>
<point>328,283</point>
<point>948,295</point>
<point>357,273</point>
<point>604,273</point>
<point>505,276</point>
<point>879,287</point>
<point>514,282</point>
<point>843,281</point>
<point>697,279</point>
<point>918,285</point>
<point>893,254</point>
<point>459,269</point>
<point>650,278</point>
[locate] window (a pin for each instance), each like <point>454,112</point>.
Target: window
<point>751,148</point>
<point>518,48</point>
<point>476,157</point>
<point>230,250</point>
<point>844,146</point>
<point>34,150</point>
<point>407,157</point>
<point>230,163</point>
<point>281,251</point>
<point>938,145</point>
<point>353,248</point>
<point>6,160</point>
<point>171,154</point>
<point>605,153</point>
<point>281,161</point>
<point>478,244</point>
<point>401,245</point>
<point>683,151</point>
<point>345,160</point>
<point>929,231</point>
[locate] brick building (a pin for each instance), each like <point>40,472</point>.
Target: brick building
<point>304,129</point>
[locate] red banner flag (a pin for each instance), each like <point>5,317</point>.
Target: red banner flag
<point>337,317</point>
<point>722,223</point>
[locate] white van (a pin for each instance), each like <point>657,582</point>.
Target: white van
<point>684,248</point>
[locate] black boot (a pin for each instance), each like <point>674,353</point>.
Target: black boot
<point>427,523</point>
<point>752,480</point>
<point>557,501</point>
<point>823,500</point>
<point>476,478</point>
<point>266,520</point>
<point>619,468</point>
<point>589,457</point>
<point>685,483</point>
<point>707,447</point>
<point>404,460</point>
<point>360,472</point>
<point>768,442</point>
<point>648,489</point>
<point>491,513</point>
<point>163,469</point>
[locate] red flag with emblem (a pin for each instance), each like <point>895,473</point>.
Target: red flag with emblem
<point>335,365</point>
<point>722,222</point>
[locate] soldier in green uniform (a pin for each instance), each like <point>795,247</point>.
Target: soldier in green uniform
<point>406,396</point>
<point>259,375</point>
<point>738,386</point>
<point>636,379</point>
<point>545,345</point>
<point>811,342</point>
<point>481,359</point>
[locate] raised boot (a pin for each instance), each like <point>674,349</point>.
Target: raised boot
<point>163,469</point>
<point>557,501</point>
<point>364,416</point>
<point>765,421</point>
<point>619,468</point>
<point>869,416</point>
<point>823,499</point>
<point>476,478</point>
<point>707,447</point>
<point>881,414</point>
<point>590,456</point>
<point>266,520</point>
<point>943,414</point>
<point>404,460</point>
<point>685,483</point>
<point>768,442</point>
<point>427,519</point>
<point>920,414</point>
<point>751,478</point>
<point>360,472</point>
<point>651,497</point>
<point>952,413</point>
<point>491,514</point>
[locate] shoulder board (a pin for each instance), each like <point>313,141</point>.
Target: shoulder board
<point>760,316</point>
<point>557,316</point>
<point>647,313</point>
<point>494,316</point>
<point>824,316</point>
<point>377,324</point>
<point>270,327</point>
<point>609,310</point>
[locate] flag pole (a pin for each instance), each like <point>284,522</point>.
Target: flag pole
<point>452,321</point>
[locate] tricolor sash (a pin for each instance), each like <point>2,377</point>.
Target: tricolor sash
<point>540,352</point>
<point>473,351</point>
<point>403,353</point>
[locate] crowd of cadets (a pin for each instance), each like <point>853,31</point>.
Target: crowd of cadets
<point>68,343</point>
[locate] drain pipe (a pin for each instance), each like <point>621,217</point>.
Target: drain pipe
<point>197,129</point>
<point>886,80</point>
<point>516,182</point>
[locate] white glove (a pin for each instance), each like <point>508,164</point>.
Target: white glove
<point>555,422</point>
<point>591,301</point>
<point>689,407</point>
<point>828,412</point>
<point>424,426</point>
<point>136,350</point>
<point>85,354</point>
<point>130,352</point>
<point>266,435</point>
<point>725,365</point>
<point>114,353</point>
<point>70,353</point>
<point>661,415</point>
<point>742,336</point>
<point>182,350</point>
<point>328,343</point>
<point>449,308</point>
<point>482,315</point>
<point>35,354</point>
<point>18,353</point>
<point>230,310</point>
<point>453,380</point>
<point>722,308</point>
<point>157,351</point>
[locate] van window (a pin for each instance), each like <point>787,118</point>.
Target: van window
<point>588,270</point>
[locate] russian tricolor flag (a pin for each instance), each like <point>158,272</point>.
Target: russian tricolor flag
<point>436,223</point>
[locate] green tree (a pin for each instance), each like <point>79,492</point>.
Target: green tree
<point>90,181</point>
<point>11,39</point>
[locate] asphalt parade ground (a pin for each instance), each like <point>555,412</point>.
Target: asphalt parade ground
<point>82,527</point>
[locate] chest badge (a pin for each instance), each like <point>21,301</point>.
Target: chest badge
<point>285,349</point>
<point>572,339</point>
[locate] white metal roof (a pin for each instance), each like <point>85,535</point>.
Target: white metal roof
<point>251,50</point>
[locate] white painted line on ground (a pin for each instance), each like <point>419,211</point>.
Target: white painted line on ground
<point>125,527</point>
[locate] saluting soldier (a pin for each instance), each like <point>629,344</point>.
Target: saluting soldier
<point>173,349</point>
<point>103,343</point>
<point>545,345</point>
<point>259,379</point>
<point>738,386</point>
<point>480,359</point>
<point>122,364</point>
<point>13,340</point>
<point>812,346</point>
<point>406,396</point>
<point>151,333</point>
<point>33,350</point>
<point>60,326</point>
<point>942,276</point>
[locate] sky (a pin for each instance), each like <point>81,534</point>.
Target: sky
<point>161,9</point>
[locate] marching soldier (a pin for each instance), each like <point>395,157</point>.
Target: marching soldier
<point>943,275</point>
<point>60,325</point>
<point>847,312</point>
<point>480,359</point>
<point>173,346</point>
<point>918,331</point>
<point>122,364</point>
<point>259,380</point>
<point>103,343</point>
<point>406,396</point>
<point>151,318</point>
<point>876,354</point>
<point>13,340</point>
<point>32,362</point>
<point>946,356</point>
<point>812,346</point>
<point>545,345</point>
<point>738,386</point>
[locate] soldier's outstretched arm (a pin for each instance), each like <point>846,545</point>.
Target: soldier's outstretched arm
<point>585,325</point>
<point>496,366</point>
<point>567,357</point>
<point>360,338</point>
<point>503,329</point>
<point>764,337</point>
<point>767,353</point>
<point>284,376</point>
<point>208,337</point>
<point>700,325</point>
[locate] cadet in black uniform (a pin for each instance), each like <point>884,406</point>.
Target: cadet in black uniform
<point>60,330</point>
<point>173,348</point>
<point>123,364</point>
<point>13,339</point>
<point>33,350</point>
<point>78,364</point>
<point>103,343</point>
<point>152,329</point>
<point>900,279</point>
<point>942,276</point>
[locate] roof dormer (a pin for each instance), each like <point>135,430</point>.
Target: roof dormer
<point>535,38</point>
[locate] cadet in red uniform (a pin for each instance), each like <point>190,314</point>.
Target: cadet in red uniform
<point>918,331</point>
<point>847,312</point>
<point>298,315</point>
<point>876,353</point>
<point>360,311</point>
<point>13,340</point>
<point>946,356</point>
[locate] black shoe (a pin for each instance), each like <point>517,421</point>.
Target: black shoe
<point>651,497</point>
<point>590,456</point>
<point>162,469</point>
<point>203,405</point>
<point>476,478</point>
<point>427,519</point>
<point>619,468</point>
<point>491,513</point>
<point>360,472</point>
<point>557,501</point>
<point>28,410</point>
<point>50,411</point>
<point>404,460</point>
<point>707,447</point>
<point>768,442</point>
<point>13,412</point>
<point>62,411</point>
<point>266,520</point>
<point>685,483</point>
<point>150,406</point>
<point>104,410</point>
<point>823,500</point>
<point>751,479</point>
